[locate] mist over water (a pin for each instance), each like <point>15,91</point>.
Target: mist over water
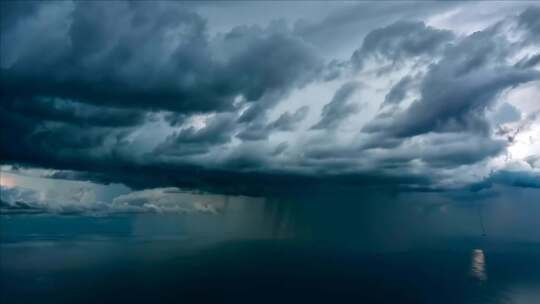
<point>370,248</point>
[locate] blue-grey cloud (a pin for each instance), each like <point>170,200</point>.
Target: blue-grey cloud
<point>18,200</point>
<point>529,20</point>
<point>83,82</point>
<point>259,130</point>
<point>401,41</point>
<point>506,113</point>
<point>280,148</point>
<point>133,61</point>
<point>399,91</point>
<point>339,108</point>
<point>524,179</point>
<point>529,61</point>
<point>288,121</point>
<point>218,130</point>
<point>456,91</point>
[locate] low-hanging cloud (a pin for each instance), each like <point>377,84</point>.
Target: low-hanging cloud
<point>155,96</point>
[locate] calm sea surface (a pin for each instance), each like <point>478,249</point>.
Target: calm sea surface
<point>277,251</point>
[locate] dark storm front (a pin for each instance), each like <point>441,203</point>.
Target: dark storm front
<point>279,251</point>
<point>270,151</point>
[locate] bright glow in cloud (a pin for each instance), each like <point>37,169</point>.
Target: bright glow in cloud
<point>6,181</point>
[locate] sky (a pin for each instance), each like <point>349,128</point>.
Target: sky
<point>136,106</point>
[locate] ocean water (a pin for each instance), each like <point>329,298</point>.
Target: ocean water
<point>317,250</point>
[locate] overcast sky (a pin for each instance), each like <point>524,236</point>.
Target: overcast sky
<point>126,102</point>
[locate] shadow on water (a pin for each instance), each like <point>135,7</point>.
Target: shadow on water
<point>367,248</point>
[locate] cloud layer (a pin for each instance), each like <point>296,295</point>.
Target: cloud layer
<point>151,95</point>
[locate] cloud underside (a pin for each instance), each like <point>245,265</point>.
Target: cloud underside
<point>17,200</point>
<point>147,96</point>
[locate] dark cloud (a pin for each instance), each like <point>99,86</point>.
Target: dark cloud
<point>42,141</point>
<point>14,11</point>
<point>398,92</point>
<point>530,21</point>
<point>68,111</point>
<point>280,148</point>
<point>217,131</point>
<point>456,91</point>
<point>258,130</point>
<point>176,119</point>
<point>140,55</point>
<point>458,151</point>
<point>113,64</point>
<point>83,82</point>
<point>339,108</point>
<point>246,174</point>
<point>435,151</point>
<point>18,207</point>
<point>107,66</point>
<point>401,41</point>
<point>447,125</point>
<point>255,130</point>
<point>349,24</point>
<point>277,60</point>
<point>529,61</point>
<point>522,179</point>
<point>122,58</point>
<point>288,121</point>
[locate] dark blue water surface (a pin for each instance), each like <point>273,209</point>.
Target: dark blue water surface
<point>277,251</point>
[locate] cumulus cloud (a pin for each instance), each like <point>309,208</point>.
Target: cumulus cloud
<point>189,141</point>
<point>457,90</point>
<point>528,20</point>
<point>280,148</point>
<point>514,178</point>
<point>109,68</point>
<point>398,92</point>
<point>259,130</point>
<point>150,56</point>
<point>157,95</point>
<point>401,41</point>
<point>20,200</point>
<point>288,121</point>
<point>339,108</point>
<point>15,199</point>
<point>164,200</point>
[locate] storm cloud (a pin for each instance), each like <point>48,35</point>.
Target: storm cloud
<point>164,94</point>
<point>401,41</point>
<point>139,55</point>
<point>339,108</point>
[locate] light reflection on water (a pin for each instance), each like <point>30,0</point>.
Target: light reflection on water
<point>478,265</point>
